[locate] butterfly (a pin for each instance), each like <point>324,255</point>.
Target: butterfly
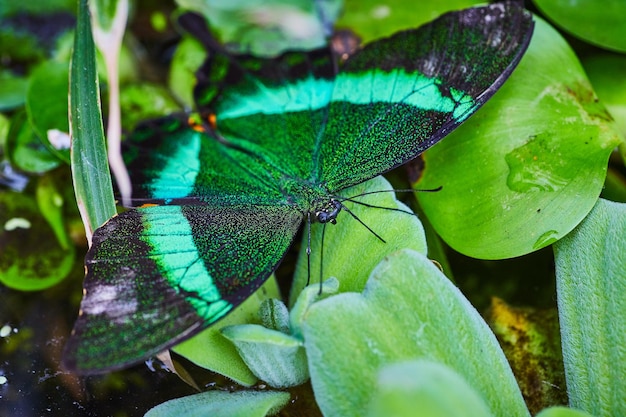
<point>223,198</point>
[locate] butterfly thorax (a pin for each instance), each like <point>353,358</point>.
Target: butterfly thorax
<point>312,199</point>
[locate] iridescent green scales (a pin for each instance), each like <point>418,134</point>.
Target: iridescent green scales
<point>225,199</point>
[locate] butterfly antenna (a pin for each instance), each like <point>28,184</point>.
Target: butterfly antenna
<point>322,257</point>
<point>354,216</point>
<point>378,207</point>
<point>308,249</point>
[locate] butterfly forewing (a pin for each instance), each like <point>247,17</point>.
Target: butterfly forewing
<point>399,96</point>
<point>272,108</point>
<point>158,275</point>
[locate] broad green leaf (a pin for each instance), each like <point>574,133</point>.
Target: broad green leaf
<point>591,289</point>
<point>351,251</point>
<point>12,90</point>
<point>10,7</point>
<point>274,351</point>
<point>5,125</point>
<point>606,73</point>
<point>409,310</point>
<point>562,412</point>
<point>373,19</point>
<point>31,258</point>
<point>188,57</point>
<point>525,169</point>
<point>50,203</point>
<point>274,357</point>
<point>211,350</point>
<point>223,404</point>
<point>270,27</point>
<point>430,387</point>
<point>46,103</point>
<point>90,171</point>
<point>25,150</point>
<point>145,101</point>
<point>601,23</point>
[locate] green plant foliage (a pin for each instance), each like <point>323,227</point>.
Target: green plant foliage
<point>31,255</point>
<point>373,19</point>
<point>12,90</point>
<point>222,357</point>
<point>188,57</point>
<point>606,73</point>
<point>408,310</point>
<point>90,170</point>
<point>25,150</point>
<point>430,387</point>
<point>275,357</point>
<point>599,23</point>
<point>562,412</point>
<point>357,250</point>
<point>10,7</point>
<point>46,103</point>
<point>223,404</point>
<point>145,101</point>
<point>270,27</point>
<point>524,170</point>
<point>591,284</point>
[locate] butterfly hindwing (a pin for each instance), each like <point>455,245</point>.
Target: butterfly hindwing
<point>157,275</point>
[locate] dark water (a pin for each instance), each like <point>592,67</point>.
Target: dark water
<point>33,330</point>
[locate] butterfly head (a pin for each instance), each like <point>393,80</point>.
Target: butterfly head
<point>328,212</point>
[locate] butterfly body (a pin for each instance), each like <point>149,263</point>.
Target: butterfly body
<point>223,200</point>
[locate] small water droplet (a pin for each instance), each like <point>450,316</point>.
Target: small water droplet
<point>5,330</point>
<point>3,380</point>
<point>380,12</point>
<point>546,239</point>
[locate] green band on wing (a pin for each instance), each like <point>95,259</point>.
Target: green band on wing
<point>169,234</point>
<point>307,94</point>
<point>398,86</point>
<point>178,177</point>
<point>395,86</point>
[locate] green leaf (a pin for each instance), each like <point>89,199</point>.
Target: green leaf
<point>350,250</point>
<point>211,350</point>
<point>600,23</point>
<point>408,310</point>
<point>90,170</point>
<point>145,101</point>
<point>606,72</point>
<point>31,258</point>
<point>270,27</point>
<point>430,387</point>
<point>50,202</point>
<point>223,404</point>
<point>46,103</point>
<point>188,57</point>
<point>562,412</point>
<point>25,150</point>
<point>12,90</point>
<point>274,357</point>
<point>373,19</point>
<point>591,286</point>
<point>525,169</point>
